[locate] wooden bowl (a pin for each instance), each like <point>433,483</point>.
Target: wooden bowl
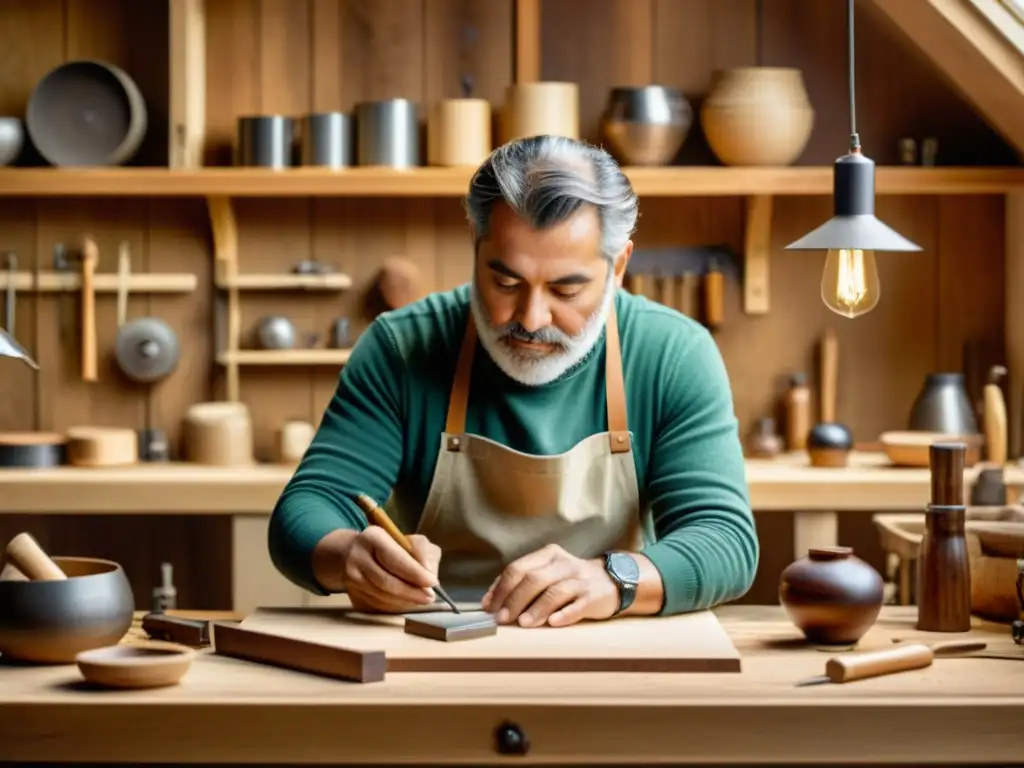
<point>910,449</point>
<point>151,664</point>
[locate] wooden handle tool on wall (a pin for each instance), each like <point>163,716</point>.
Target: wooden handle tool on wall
<point>714,297</point>
<point>90,363</point>
<point>900,658</point>
<point>27,556</point>
<point>829,376</point>
<point>995,417</point>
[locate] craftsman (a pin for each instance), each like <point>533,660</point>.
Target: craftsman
<point>494,418</point>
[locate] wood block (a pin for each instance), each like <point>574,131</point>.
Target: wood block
<point>359,666</point>
<point>692,642</point>
<point>451,627</point>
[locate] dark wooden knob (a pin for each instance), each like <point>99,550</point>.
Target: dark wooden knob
<point>510,740</point>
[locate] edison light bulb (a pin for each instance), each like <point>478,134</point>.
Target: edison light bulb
<point>849,284</point>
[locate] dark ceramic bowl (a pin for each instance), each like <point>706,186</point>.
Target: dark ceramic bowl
<point>50,622</point>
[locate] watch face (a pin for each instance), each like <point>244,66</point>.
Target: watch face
<point>624,567</point>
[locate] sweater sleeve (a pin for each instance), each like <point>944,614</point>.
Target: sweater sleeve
<point>357,449</point>
<point>707,548</point>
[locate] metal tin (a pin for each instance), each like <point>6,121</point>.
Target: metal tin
<point>265,141</point>
<point>388,133</point>
<point>327,140</point>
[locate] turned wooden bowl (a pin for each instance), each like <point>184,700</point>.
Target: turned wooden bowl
<point>151,664</point>
<point>911,449</point>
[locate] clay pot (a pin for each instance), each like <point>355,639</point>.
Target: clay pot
<point>829,445</point>
<point>758,116</point>
<point>832,596</point>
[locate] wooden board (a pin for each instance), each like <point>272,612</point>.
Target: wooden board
<point>694,642</point>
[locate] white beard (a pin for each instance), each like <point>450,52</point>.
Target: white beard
<point>535,369</point>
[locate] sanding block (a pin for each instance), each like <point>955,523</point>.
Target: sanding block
<point>451,627</point>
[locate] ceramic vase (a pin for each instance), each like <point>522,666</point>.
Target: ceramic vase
<point>758,116</point>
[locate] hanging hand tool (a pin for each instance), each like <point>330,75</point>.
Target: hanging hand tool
<point>714,296</point>
<point>90,362</point>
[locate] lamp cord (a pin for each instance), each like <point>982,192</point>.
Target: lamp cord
<point>850,60</point>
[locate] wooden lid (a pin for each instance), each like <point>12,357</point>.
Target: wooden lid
<point>31,438</point>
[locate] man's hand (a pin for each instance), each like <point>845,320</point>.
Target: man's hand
<point>380,576</point>
<point>552,587</point>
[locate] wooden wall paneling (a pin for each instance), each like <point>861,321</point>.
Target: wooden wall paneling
<point>178,241</point>
<point>232,90</point>
<point>899,92</point>
<point>971,297</point>
<point>19,398</point>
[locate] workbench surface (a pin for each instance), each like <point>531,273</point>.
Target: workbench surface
<point>964,711</point>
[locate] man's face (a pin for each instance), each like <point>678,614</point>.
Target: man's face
<point>543,295</point>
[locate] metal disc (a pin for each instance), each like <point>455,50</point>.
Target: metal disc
<point>147,349</point>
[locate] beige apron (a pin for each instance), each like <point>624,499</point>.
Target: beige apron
<point>489,505</point>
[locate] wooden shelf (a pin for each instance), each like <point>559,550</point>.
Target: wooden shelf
<point>53,282</point>
<point>693,181</point>
<point>269,357</point>
<point>336,281</point>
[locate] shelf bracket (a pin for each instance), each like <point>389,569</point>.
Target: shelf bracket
<point>187,134</point>
<point>225,268</point>
<point>757,248</point>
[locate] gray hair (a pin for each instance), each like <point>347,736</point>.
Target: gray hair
<point>546,179</point>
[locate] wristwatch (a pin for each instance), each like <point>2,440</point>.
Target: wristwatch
<point>624,571</point>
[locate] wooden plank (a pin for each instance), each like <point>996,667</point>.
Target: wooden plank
<point>187,489</point>
<point>693,642</point>
<point>365,666</point>
<point>187,83</point>
<point>689,181</point>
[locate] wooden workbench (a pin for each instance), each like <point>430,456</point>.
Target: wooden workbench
<point>965,711</point>
<point>815,496</point>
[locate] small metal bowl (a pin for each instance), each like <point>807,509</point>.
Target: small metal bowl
<point>646,125</point>
<point>51,622</point>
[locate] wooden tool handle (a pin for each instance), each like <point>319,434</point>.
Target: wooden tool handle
<point>995,417</point>
<point>637,284</point>
<point>829,375</point>
<point>124,261</point>
<point>714,299</point>
<point>858,666</point>
<point>29,558</point>
<point>900,658</point>
<point>378,516</point>
<point>90,257</point>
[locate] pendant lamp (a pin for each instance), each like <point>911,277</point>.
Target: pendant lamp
<point>849,282</point>
<point>11,348</point>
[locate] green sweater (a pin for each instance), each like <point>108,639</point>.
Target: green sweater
<point>380,433</point>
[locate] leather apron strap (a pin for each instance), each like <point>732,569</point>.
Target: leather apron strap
<point>615,387</point>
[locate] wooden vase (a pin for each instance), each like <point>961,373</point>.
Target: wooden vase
<point>758,116</point>
<point>533,109</point>
<point>459,133</point>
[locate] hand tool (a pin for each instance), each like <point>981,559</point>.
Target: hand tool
<point>377,516</point>
<point>901,658</point>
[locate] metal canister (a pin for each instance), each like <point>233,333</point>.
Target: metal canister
<point>265,141</point>
<point>388,133</point>
<point>327,140</point>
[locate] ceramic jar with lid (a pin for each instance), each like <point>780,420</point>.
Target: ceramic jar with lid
<point>831,595</point>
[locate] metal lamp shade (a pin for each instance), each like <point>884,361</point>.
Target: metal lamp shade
<point>854,225</point>
<point>11,348</point>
